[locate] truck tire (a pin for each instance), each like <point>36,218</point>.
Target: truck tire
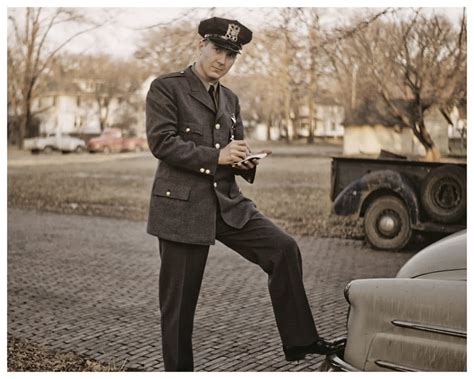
<point>387,223</point>
<point>80,150</point>
<point>47,150</point>
<point>444,195</point>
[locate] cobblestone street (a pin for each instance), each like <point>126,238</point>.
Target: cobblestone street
<point>90,285</point>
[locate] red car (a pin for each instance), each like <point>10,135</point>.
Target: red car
<point>112,140</point>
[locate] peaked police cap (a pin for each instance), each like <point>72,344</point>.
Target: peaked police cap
<point>229,34</point>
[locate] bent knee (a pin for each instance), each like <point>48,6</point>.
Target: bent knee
<point>287,245</point>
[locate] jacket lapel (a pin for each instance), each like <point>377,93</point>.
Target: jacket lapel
<point>222,103</point>
<point>198,91</point>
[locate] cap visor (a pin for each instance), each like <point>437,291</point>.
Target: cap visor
<point>225,45</point>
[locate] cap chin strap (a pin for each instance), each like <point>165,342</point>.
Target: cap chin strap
<point>223,39</point>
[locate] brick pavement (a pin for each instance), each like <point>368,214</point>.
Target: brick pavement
<point>90,285</point>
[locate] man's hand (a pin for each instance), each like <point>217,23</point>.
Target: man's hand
<point>234,152</point>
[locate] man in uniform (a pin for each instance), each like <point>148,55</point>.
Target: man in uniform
<point>195,130</point>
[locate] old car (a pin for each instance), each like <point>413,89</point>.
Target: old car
<point>112,140</point>
<point>413,322</point>
<point>54,142</point>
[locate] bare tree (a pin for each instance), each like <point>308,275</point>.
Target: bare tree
<point>113,78</point>
<point>311,41</point>
<point>407,64</point>
<point>31,54</point>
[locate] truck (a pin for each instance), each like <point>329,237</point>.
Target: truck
<point>54,142</point>
<point>113,140</point>
<point>397,196</point>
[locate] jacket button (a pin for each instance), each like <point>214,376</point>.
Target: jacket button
<point>208,171</point>
<point>218,145</point>
<point>187,130</point>
<point>215,184</point>
<point>168,193</point>
<point>202,170</point>
<point>218,126</point>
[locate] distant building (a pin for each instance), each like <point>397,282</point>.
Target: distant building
<point>458,131</point>
<point>328,119</point>
<point>369,130</point>
<point>73,108</point>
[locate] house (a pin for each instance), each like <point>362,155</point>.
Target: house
<point>328,119</point>
<point>457,130</point>
<point>370,129</point>
<point>72,107</point>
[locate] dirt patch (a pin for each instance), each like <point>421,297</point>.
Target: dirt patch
<point>25,356</point>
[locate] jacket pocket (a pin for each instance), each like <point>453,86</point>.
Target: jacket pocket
<point>191,132</point>
<point>171,189</point>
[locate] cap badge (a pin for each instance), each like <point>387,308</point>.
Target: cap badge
<point>232,32</point>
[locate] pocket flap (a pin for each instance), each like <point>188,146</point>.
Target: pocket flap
<point>191,128</point>
<point>171,189</point>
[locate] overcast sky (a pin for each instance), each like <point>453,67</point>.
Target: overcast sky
<point>119,37</point>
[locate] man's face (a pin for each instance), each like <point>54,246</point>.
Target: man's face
<point>214,61</point>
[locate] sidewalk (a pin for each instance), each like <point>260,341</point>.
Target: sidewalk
<point>90,285</point>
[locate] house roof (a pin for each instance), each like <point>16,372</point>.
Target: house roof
<point>72,87</point>
<point>378,113</point>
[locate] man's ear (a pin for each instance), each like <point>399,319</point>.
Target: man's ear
<point>201,43</point>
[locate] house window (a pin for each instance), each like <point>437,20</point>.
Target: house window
<point>78,121</point>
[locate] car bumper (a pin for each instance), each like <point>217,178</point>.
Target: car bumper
<point>334,362</point>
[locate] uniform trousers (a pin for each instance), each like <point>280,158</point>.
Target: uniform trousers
<point>260,241</point>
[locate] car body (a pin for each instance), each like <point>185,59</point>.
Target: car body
<point>112,141</point>
<point>54,141</point>
<point>413,322</point>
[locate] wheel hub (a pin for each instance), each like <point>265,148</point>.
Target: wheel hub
<point>447,194</point>
<point>389,224</point>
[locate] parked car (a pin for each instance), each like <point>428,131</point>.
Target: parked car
<point>112,140</point>
<point>397,196</point>
<point>54,141</point>
<point>413,322</point>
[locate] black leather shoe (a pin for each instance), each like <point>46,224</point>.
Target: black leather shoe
<point>320,346</point>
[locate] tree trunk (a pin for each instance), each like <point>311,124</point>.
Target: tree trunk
<point>269,128</point>
<point>432,154</point>
<point>25,120</point>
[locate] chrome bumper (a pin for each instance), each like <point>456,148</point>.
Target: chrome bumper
<point>335,361</point>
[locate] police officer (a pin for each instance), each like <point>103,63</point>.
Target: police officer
<point>195,130</point>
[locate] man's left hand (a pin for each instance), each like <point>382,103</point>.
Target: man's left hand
<point>247,165</point>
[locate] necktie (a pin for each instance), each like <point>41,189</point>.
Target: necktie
<point>212,94</point>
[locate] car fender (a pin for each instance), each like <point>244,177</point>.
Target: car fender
<point>406,323</point>
<point>357,195</point>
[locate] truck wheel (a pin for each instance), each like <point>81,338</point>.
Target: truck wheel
<point>387,223</point>
<point>80,149</point>
<point>106,150</point>
<point>443,194</point>
<point>48,150</point>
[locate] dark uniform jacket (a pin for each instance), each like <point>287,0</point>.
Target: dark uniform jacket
<point>185,132</point>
